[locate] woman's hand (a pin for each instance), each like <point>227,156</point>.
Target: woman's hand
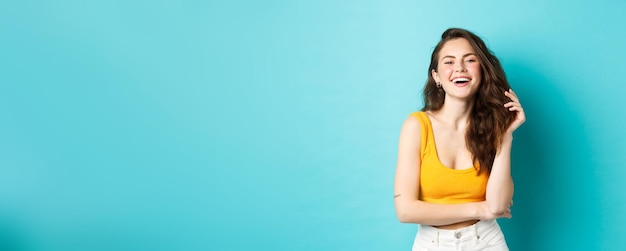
<point>515,106</point>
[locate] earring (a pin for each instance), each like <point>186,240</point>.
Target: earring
<point>438,85</point>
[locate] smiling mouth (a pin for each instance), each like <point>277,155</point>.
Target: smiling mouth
<point>460,81</point>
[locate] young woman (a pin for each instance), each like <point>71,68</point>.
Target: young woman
<point>453,175</point>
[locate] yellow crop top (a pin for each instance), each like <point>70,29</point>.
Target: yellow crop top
<point>440,184</point>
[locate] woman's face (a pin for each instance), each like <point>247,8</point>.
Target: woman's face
<point>458,69</point>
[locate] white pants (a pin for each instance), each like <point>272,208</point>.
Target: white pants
<point>484,235</point>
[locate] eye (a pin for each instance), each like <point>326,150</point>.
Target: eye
<point>447,62</point>
<point>471,60</point>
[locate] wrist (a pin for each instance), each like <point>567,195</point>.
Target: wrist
<point>507,137</point>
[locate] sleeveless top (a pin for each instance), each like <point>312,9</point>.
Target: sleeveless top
<point>440,184</point>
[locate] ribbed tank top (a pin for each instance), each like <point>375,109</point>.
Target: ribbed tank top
<point>441,184</point>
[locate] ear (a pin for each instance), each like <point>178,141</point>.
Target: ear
<point>435,76</point>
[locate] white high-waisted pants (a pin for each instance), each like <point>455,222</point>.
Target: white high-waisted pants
<point>484,235</point>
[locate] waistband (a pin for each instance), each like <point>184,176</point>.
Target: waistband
<point>474,231</point>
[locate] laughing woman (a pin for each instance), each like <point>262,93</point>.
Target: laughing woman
<point>453,175</point>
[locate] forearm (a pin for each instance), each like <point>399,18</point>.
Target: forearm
<point>420,212</point>
<point>500,184</point>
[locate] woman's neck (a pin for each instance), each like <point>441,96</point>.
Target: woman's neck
<point>455,113</point>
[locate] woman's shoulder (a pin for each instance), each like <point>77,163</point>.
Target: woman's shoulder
<point>417,114</point>
<point>414,121</point>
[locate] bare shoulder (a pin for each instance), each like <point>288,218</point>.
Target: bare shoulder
<point>411,128</point>
<point>411,122</point>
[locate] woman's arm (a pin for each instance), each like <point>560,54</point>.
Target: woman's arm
<point>500,184</point>
<point>409,208</point>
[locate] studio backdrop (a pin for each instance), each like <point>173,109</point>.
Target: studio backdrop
<point>273,125</point>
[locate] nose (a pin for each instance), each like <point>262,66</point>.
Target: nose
<point>459,67</point>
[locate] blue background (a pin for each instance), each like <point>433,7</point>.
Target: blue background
<point>273,125</point>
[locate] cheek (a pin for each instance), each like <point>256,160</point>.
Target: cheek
<point>476,71</point>
<point>445,71</point>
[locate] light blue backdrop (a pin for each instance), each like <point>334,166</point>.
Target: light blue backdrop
<point>273,125</point>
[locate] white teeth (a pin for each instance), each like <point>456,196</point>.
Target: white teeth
<point>456,80</point>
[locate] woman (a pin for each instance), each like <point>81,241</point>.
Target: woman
<point>453,175</point>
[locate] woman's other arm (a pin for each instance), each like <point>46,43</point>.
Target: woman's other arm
<point>500,185</point>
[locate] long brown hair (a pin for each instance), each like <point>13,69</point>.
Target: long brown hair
<point>488,119</point>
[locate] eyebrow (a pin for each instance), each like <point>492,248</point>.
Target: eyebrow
<point>450,56</point>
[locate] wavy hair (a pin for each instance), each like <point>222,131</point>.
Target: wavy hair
<point>488,118</point>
